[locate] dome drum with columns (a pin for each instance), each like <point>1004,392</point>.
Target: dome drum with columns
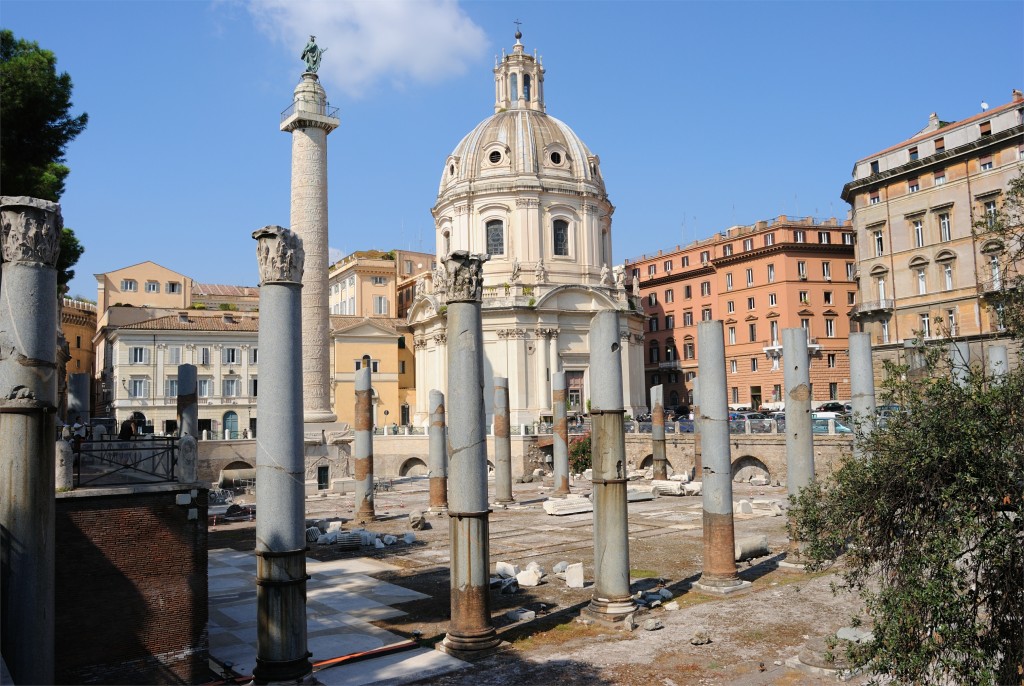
<point>523,188</point>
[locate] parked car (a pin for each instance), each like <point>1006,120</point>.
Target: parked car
<point>832,407</point>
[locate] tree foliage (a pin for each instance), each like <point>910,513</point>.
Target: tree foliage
<point>932,522</point>
<point>37,123</point>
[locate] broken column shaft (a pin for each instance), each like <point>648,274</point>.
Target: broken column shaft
<point>470,631</point>
<point>862,388</point>
<point>658,433</point>
<point>560,435</point>
<point>611,600</point>
<point>438,445</point>
<point>188,401</point>
<point>281,648</point>
<point>31,230</point>
<point>719,573</point>
<point>362,447</point>
<point>799,424</point>
<point>502,443</point>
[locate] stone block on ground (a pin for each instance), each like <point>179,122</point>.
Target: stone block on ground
<point>528,577</point>
<point>312,534</point>
<point>389,539</point>
<point>559,567</point>
<point>418,521</point>
<point>684,477</point>
<point>567,506</point>
<point>509,586</point>
<point>668,487</point>
<point>652,625</point>
<point>639,493</point>
<point>693,488</point>
<point>377,543</point>
<point>536,568</point>
<point>751,547</point>
<point>506,569</point>
<point>854,635</point>
<point>521,615</point>
<point>574,575</point>
<point>349,541</point>
<point>743,507</point>
<point>759,481</point>
<point>588,474</point>
<point>701,637</point>
<point>409,538</point>
<point>328,538</point>
<point>674,605</point>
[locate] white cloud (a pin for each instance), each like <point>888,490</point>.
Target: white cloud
<point>367,41</point>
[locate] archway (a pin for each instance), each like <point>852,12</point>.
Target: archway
<point>747,467</point>
<point>414,466</point>
<point>237,474</point>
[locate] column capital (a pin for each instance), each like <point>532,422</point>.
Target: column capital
<point>31,230</point>
<point>280,255</point>
<point>464,279</point>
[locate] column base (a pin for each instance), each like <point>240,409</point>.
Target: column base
<point>786,565</point>
<point>471,647</point>
<point>290,671</point>
<point>438,510</point>
<point>502,501</point>
<point>609,611</point>
<point>319,417</point>
<point>720,587</point>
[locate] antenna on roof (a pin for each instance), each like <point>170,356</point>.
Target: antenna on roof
<point>984,106</point>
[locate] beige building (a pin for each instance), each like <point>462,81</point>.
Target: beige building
<point>921,270</point>
<point>140,370</point>
<point>758,279</point>
<point>374,283</point>
<point>374,341</point>
<point>145,284</point>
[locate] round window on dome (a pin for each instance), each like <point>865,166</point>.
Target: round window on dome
<point>494,157</point>
<point>556,158</point>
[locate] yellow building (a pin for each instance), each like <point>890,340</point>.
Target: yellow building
<point>78,322</point>
<point>145,284</point>
<point>358,341</point>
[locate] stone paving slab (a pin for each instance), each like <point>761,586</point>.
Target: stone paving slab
<point>342,600</point>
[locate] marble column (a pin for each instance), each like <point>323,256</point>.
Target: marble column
<point>281,647</point>
<point>438,445</point>
<point>362,449</point>
<point>862,388</point>
<point>560,435</point>
<point>611,600</point>
<point>658,432</point>
<point>502,443</point>
<point>470,632</point>
<point>698,447</point>
<point>719,573</point>
<point>309,121</point>
<point>31,230</point>
<point>188,401</point>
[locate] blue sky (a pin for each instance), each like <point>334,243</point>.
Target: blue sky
<point>705,115</point>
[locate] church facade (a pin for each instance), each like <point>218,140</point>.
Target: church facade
<point>524,189</point>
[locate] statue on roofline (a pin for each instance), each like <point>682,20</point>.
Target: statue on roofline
<point>311,55</point>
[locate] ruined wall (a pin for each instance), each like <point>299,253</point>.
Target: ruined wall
<point>131,585</point>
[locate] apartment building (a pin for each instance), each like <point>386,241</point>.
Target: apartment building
<point>140,372</point>
<point>921,271</point>
<point>758,280</point>
<point>367,283</point>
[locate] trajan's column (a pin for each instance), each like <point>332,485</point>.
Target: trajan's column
<point>309,119</point>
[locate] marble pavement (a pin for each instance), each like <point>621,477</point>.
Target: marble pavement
<point>342,600</point>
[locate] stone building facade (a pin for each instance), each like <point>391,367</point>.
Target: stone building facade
<point>524,189</point>
<point>758,280</point>
<point>921,271</point>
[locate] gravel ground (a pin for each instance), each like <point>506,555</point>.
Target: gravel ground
<point>752,633</point>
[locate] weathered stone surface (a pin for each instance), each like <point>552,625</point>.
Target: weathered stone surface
<point>854,635</point>
<point>389,539</point>
<point>701,637</point>
<point>693,488</point>
<point>674,605</point>
<point>312,534</point>
<point>560,567</point>
<point>328,538</point>
<point>521,615</point>
<point>744,507</point>
<point>574,575</point>
<point>417,521</point>
<point>509,587</point>
<point>536,568</point>
<point>652,625</point>
<point>640,493</point>
<point>377,543</point>
<point>409,538</point>
<point>758,481</point>
<point>751,547</point>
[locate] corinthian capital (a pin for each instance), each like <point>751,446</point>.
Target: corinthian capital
<point>279,254</point>
<point>464,276</point>
<point>31,230</point>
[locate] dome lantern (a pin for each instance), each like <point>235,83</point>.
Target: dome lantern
<point>519,81</point>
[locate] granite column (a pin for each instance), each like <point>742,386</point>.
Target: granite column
<point>560,435</point>
<point>362,447</point>
<point>281,647</point>
<point>470,632</point>
<point>31,230</point>
<point>862,388</point>
<point>719,573</point>
<point>438,446</point>
<point>502,443</point>
<point>658,433</point>
<point>799,424</point>
<point>611,600</point>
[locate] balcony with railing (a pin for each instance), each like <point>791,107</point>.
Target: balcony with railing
<point>873,307</point>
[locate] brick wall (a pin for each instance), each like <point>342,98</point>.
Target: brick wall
<point>131,586</point>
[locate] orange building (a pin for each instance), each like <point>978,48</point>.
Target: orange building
<point>758,280</point>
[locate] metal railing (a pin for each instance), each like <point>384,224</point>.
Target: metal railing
<point>873,306</point>
<point>116,462</point>
<point>322,109</point>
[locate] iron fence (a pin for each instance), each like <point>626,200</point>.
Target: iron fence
<point>117,462</point>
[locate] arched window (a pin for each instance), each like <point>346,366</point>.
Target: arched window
<point>495,237</point>
<point>560,231</point>
<point>654,351</point>
<point>513,86</point>
<point>526,87</point>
